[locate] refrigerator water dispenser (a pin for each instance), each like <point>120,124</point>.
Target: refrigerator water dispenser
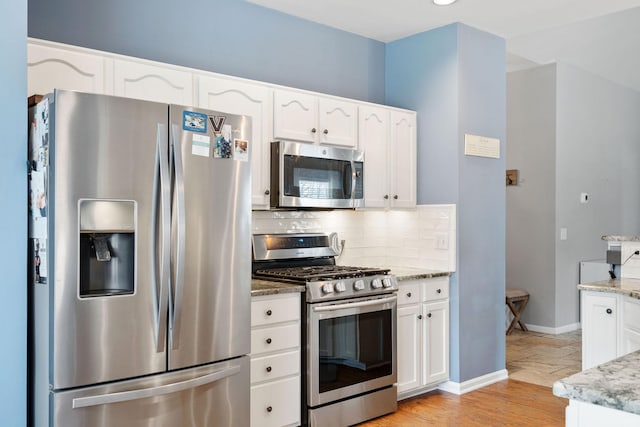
<point>107,247</point>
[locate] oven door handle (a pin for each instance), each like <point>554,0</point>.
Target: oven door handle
<point>354,304</point>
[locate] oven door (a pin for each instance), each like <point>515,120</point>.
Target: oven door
<point>351,347</point>
<point>315,176</point>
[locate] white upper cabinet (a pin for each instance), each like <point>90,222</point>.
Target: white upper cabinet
<point>374,140</point>
<point>140,80</point>
<point>402,152</point>
<point>304,117</point>
<point>51,68</point>
<point>253,100</point>
<point>388,139</point>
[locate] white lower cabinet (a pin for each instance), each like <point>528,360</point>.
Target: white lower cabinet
<point>610,326</point>
<point>275,360</point>
<point>423,335</point>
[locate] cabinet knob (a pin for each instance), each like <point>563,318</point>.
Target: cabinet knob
<point>313,130</point>
<point>268,368</point>
<point>609,311</point>
<point>326,131</point>
<point>439,291</point>
<point>269,312</point>
<point>429,315</point>
<point>386,196</point>
<point>419,316</point>
<point>269,409</point>
<point>266,192</point>
<point>408,294</point>
<point>268,340</point>
<point>395,197</point>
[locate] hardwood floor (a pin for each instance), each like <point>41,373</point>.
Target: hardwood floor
<point>507,403</point>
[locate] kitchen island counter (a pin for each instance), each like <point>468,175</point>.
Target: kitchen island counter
<point>625,286</point>
<point>597,391</point>
<point>268,287</point>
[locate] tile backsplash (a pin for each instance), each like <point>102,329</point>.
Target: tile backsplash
<point>422,238</point>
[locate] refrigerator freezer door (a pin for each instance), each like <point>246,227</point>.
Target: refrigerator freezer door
<point>211,248</point>
<point>213,395</point>
<point>106,186</point>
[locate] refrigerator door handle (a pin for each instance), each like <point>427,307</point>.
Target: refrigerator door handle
<point>179,244</point>
<point>161,187</point>
<point>125,396</point>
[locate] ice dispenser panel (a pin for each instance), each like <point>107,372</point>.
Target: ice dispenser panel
<point>107,247</point>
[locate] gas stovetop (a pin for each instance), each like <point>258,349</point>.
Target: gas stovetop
<point>320,272</point>
<point>310,259</point>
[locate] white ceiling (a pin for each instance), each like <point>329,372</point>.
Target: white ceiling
<point>602,37</point>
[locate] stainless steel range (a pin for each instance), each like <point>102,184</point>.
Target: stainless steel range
<point>349,327</point>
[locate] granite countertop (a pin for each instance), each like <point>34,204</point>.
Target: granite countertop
<point>407,273</point>
<point>268,287</point>
<point>624,286</point>
<point>614,384</point>
<point>614,238</point>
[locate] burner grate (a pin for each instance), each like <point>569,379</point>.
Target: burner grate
<point>320,272</point>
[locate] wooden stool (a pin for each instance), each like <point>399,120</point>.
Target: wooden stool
<point>517,300</point>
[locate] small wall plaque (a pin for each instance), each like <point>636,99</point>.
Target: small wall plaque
<point>512,176</point>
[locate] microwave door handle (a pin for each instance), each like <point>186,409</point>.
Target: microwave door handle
<point>351,182</point>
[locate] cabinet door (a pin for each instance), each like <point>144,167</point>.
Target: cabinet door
<point>51,68</point>
<point>630,341</point>
<point>402,152</point>
<point>373,139</point>
<point>409,350</point>
<point>152,83</point>
<point>599,328</point>
<point>436,341</point>
<point>338,122</point>
<point>236,97</point>
<point>295,116</point>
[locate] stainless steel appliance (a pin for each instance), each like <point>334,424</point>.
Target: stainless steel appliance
<point>316,176</point>
<point>349,327</point>
<point>141,280</point>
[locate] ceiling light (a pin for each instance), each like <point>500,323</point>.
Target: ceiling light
<point>443,2</point>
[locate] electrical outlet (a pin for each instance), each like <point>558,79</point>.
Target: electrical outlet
<point>442,241</point>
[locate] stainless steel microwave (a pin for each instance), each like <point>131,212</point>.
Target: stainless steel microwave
<point>316,176</point>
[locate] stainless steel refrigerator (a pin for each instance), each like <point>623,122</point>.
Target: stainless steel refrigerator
<point>140,264</point>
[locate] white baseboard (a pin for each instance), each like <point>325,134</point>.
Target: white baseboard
<point>554,331</point>
<point>475,383</point>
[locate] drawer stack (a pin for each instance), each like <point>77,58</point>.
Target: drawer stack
<point>275,360</point>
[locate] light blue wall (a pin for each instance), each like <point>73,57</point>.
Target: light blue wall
<point>13,215</point>
<point>226,36</point>
<point>454,77</point>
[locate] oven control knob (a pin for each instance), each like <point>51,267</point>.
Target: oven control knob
<point>386,283</point>
<point>340,287</point>
<point>358,285</point>
<point>376,284</point>
<point>327,288</point>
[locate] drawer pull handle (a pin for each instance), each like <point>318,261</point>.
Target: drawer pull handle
<point>268,368</point>
<point>419,316</point>
<point>429,315</point>
<point>395,197</point>
<point>326,131</point>
<point>268,340</point>
<point>609,311</point>
<point>439,291</point>
<point>408,294</point>
<point>269,312</point>
<point>266,192</point>
<point>313,130</point>
<point>269,409</point>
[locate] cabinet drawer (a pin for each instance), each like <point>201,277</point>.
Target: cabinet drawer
<point>435,289</point>
<point>268,368</point>
<point>409,293</point>
<point>273,310</point>
<point>276,403</point>
<point>275,339</point>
